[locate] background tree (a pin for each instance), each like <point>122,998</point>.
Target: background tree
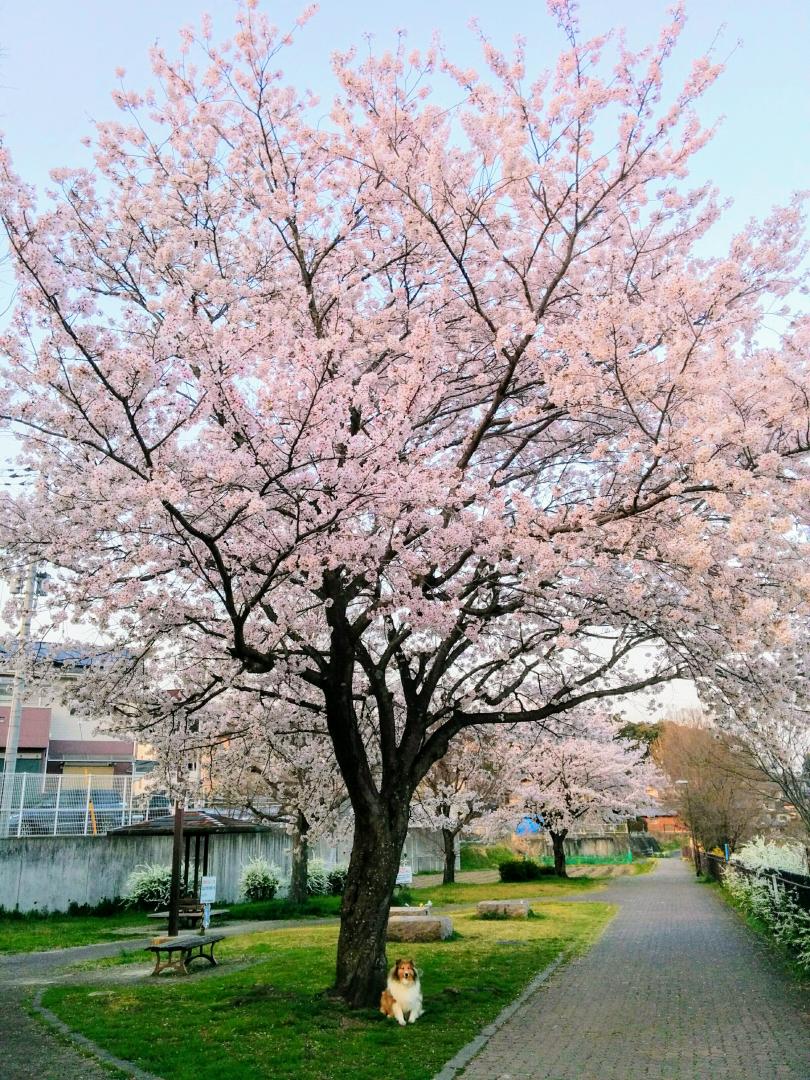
<point>766,708</point>
<point>562,780</point>
<point>290,778</point>
<point>467,784</point>
<point>715,786</point>
<point>433,410</point>
<point>640,734</point>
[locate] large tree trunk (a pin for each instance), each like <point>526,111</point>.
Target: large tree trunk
<point>558,846</point>
<point>449,838</point>
<point>361,960</point>
<point>300,860</point>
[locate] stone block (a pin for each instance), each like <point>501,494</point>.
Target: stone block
<point>507,909</point>
<point>409,911</point>
<point>419,928</point>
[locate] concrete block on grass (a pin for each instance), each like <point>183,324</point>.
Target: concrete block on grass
<point>419,928</point>
<point>505,909</point>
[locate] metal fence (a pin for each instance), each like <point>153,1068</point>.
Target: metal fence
<point>796,885</point>
<point>48,805</point>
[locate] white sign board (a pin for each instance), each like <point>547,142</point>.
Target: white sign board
<point>208,890</point>
<point>405,876</point>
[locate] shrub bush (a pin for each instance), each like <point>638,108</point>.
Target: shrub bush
<point>148,886</point>
<point>317,878</point>
<point>523,870</point>
<point>105,906</point>
<point>760,854</point>
<point>337,880</point>
<point>775,909</point>
<point>260,880</point>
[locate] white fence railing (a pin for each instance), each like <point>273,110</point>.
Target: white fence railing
<point>75,805</point>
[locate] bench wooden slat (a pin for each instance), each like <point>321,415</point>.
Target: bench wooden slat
<point>189,948</point>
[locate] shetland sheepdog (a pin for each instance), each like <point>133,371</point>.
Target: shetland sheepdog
<point>403,995</point>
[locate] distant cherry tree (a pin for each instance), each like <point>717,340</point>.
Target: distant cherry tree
<point>424,404</point>
<point>560,781</point>
<point>469,783</point>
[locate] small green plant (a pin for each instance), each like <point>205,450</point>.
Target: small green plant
<point>260,880</point>
<point>148,886</point>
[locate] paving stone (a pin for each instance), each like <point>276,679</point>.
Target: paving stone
<point>677,988</point>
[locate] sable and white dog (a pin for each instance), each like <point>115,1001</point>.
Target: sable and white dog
<point>403,995</point>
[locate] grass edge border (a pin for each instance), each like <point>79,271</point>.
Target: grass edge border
<point>474,1046</point>
<point>776,953</point>
<point>87,1046</point>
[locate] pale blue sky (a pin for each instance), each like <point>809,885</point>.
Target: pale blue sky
<point>59,58</point>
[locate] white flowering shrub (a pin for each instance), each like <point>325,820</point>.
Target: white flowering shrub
<point>762,854</point>
<point>317,878</point>
<point>148,886</point>
<point>775,908</point>
<point>260,880</point>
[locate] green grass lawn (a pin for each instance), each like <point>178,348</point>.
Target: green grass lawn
<point>484,856</point>
<point>470,893</point>
<point>274,1019</point>
<point>19,933</point>
<point>643,866</point>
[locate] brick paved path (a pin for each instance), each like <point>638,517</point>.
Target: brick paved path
<point>676,989</point>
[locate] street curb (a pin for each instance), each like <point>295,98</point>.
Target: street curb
<point>466,1053</point>
<point>85,1044</point>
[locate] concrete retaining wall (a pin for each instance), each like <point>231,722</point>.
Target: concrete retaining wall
<point>50,872</point>
<point>603,846</point>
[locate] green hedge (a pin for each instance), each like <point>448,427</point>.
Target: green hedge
<point>523,870</point>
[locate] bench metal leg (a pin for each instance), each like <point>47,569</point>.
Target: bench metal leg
<point>193,952</point>
<point>179,964</point>
<point>203,955</point>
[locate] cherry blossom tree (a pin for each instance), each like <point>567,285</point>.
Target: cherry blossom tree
<point>430,412</point>
<point>468,783</point>
<point>560,780</point>
<point>765,704</point>
<point>292,778</point>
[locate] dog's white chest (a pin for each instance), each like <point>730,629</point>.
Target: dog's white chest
<point>409,998</point>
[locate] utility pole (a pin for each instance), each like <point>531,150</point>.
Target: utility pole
<point>17,694</point>
<point>695,853</point>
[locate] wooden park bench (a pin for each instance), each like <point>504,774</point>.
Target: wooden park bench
<point>189,914</point>
<point>180,951</point>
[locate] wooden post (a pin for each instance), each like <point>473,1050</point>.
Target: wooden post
<point>186,861</point>
<point>177,857</point>
<point>197,865</point>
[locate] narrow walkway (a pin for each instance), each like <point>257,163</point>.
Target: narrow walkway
<point>676,989</point>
